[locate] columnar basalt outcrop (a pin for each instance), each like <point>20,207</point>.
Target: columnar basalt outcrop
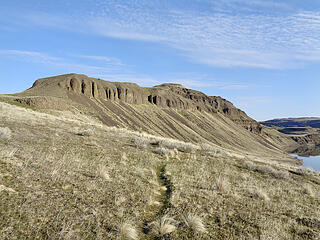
<point>96,88</point>
<point>165,96</point>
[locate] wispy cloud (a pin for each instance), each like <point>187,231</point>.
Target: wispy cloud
<point>196,83</point>
<point>112,69</point>
<point>251,5</point>
<point>271,41</point>
<point>68,65</point>
<point>202,81</point>
<point>108,60</point>
<point>30,56</point>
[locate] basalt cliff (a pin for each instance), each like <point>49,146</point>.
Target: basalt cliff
<point>170,110</point>
<point>164,96</point>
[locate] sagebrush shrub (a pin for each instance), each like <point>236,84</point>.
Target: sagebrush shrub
<point>266,169</point>
<point>140,143</point>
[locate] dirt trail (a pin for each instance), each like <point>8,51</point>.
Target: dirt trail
<point>166,195</point>
<point>165,188</point>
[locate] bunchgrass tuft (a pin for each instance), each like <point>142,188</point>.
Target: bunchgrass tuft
<point>307,189</point>
<point>194,223</point>
<point>163,226</point>
<point>127,231</point>
<point>222,185</point>
<point>102,172</point>
<point>5,133</point>
<point>261,194</point>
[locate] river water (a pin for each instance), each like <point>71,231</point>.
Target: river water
<point>312,161</point>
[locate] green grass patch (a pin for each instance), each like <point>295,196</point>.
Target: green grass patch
<point>14,102</point>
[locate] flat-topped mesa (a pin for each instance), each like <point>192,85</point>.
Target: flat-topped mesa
<point>95,88</point>
<point>167,95</point>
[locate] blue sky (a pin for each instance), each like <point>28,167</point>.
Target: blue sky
<point>262,55</point>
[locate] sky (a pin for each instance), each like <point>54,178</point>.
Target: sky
<point>262,55</point>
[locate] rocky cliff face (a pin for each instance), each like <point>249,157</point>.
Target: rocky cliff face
<point>96,88</point>
<point>308,145</point>
<point>311,139</point>
<point>165,96</point>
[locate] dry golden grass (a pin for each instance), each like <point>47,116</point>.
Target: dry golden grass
<point>56,184</point>
<point>257,204</point>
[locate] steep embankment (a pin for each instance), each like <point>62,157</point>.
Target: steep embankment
<point>169,110</point>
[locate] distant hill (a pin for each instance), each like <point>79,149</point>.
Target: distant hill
<point>313,122</point>
<point>168,110</point>
<point>305,131</point>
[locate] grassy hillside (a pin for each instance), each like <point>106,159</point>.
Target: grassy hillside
<point>184,125</point>
<point>65,175</point>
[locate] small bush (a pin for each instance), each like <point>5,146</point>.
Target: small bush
<point>181,146</point>
<point>188,148</point>
<point>207,147</point>
<point>306,171</point>
<point>5,133</point>
<point>222,185</point>
<point>161,151</point>
<point>307,189</point>
<point>154,142</point>
<point>194,223</point>
<point>127,231</point>
<point>140,143</point>
<point>7,189</point>
<point>102,172</point>
<point>92,143</point>
<point>119,200</point>
<point>213,151</point>
<point>265,169</point>
<point>124,157</point>
<point>153,202</point>
<point>281,174</point>
<point>83,132</point>
<point>163,226</point>
<point>260,194</point>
